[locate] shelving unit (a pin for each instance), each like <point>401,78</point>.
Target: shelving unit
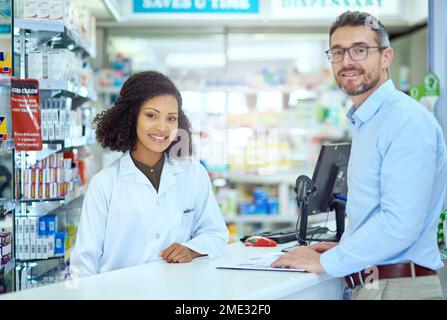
<point>40,207</point>
<point>253,133</point>
<point>47,30</point>
<point>52,34</point>
<point>70,89</point>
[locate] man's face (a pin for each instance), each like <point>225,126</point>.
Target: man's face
<point>358,77</point>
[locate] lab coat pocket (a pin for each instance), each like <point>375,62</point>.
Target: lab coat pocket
<point>187,224</point>
<point>187,219</point>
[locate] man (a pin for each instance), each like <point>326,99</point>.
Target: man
<point>396,177</point>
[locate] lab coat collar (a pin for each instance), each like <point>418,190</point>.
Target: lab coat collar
<point>168,175</point>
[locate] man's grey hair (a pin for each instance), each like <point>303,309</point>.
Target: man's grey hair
<point>356,19</point>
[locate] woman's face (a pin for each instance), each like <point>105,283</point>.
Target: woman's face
<point>157,124</point>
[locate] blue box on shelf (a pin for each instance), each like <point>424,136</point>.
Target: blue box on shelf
<point>59,243</point>
<point>51,224</point>
<point>261,207</point>
<point>247,208</point>
<point>42,228</point>
<point>259,194</point>
<point>273,205</point>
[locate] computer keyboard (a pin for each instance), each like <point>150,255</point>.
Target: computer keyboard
<point>287,235</point>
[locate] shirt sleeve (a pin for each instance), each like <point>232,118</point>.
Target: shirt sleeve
<point>210,233</point>
<point>406,182</point>
<point>88,249</point>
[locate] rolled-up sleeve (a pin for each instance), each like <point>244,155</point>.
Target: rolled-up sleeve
<point>407,177</point>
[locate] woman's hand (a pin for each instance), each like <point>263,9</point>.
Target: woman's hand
<point>176,253</point>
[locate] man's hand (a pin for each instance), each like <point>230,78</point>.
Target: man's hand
<point>300,258</point>
<point>176,253</point>
<point>322,247</point>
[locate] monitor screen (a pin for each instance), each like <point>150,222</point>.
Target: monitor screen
<point>330,176</point>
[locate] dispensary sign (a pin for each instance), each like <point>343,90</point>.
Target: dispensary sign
<point>196,6</point>
<point>323,9</point>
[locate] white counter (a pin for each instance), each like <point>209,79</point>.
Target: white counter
<point>198,280</point>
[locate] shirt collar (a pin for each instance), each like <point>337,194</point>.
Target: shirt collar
<point>127,166</point>
<point>370,107</point>
<point>157,167</point>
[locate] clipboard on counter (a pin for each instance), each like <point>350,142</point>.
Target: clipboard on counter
<point>260,263</point>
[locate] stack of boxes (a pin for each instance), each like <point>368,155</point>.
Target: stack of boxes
<point>55,64</point>
<point>53,177</point>
<point>75,17</point>
<point>59,122</point>
<point>44,9</point>
<point>36,238</point>
<point>62,63</point>
<point>262,203</point>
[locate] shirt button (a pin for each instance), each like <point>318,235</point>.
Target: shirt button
<point>152,170</point>
<point>157,236</point>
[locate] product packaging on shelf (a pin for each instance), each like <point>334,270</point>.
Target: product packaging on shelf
<point>57,10</point>
<point>43,9</point>
<point>35,237</point>
<point>35,65</point>
<point>30,8</point>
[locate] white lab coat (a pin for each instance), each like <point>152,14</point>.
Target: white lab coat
<point>124,222</point>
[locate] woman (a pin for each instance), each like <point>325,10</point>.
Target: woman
<point>154,202</point>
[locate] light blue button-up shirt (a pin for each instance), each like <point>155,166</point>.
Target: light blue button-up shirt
<point>397,178</point>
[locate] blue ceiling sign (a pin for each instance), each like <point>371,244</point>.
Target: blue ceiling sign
<point>196,6</point>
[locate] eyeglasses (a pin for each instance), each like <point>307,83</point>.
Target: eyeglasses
<point>357,53</point>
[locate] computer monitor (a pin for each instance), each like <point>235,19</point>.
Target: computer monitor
<point>328,189</point>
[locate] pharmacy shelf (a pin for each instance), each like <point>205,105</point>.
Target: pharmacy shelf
<point>71,41</point>
<point>41,207</point>
<point>41,200</point>
<point>39,25</point>
<point>67,38</point>
<point>68,143</point>
<point>42,266</point>
<point>40,260</point>
<point>48,149</point>
<point>69,87</point>
<point>52,147</point>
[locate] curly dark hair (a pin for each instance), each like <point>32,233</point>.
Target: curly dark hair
<point>116,127</point>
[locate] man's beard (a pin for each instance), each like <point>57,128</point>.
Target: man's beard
<point>367,84</point>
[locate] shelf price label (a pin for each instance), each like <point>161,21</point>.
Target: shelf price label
<point>25,112</point>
